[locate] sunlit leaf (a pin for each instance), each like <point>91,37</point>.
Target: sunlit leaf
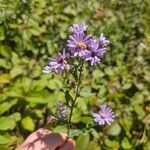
<point>28,123</point>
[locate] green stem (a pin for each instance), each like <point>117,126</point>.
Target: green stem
<point>75,98</point>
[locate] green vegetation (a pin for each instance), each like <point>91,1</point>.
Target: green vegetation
<point>33,30</point>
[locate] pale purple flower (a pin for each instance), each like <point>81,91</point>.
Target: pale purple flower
<point>78,28</point>
<point>103,41</point>
<point>57,64</point>
<point>104,116</point>
<point>95,52</point>
<point>62,110</point>
<point>78,44</point>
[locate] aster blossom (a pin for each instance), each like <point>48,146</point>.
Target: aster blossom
<point>57,64</point>
<point>104,116</point>
<point>93,55</point>
<point>62,110</point>
<point>78,28</point>
<point>79,43</point>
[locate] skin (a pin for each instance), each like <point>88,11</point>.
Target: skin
<point>44,139</point>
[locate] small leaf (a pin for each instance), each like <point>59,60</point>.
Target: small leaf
<point>125,144</point>
<point>28,123</point>
<point>111,143</point>
<point>114,130</point>
<point>86,93</point>
<point>5,78</point>
<point>6,123</point>
<point>60,128</point>
<point>139,110</point>
<point>5,51</point>
<point>82,142</point>
<point>4,140</point>
<point>40,97</point>
<point>54,84</point>
<point>75,132</point>
<point>126,123</point>
<point>16,116</point>
<point>17,70</point>
<point>93,145</point>
<point>6,106</point>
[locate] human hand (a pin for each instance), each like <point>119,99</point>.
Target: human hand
<point>44,139</point>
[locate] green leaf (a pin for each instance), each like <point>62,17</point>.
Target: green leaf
<point>116,96</point>
<point>93,145</point>
<point>17,70</point>
<point>114,130</point>
<point>4,140</point>
<point>16,116</point>
<point>125,144</point>
<point>126,123</point>
<point>82,142</point>
<point>28,123</point>
<point>111,143</point>
<point>75,132</point>
<point>5,51</point>
<point>39,113</point>
<point>40,97</point>
<point>86,120</point>
<point>26,83</point>
<point>6,123</point>
<point>5,64</point>
<point>54,84</point>
<point>6,106</point>
<point>76,115</point>
<point>139,110</point>
<point>86,93</point>
<point>5,78</point>
<point>109,71</point>
<point>60,128</point>
<point>126,86</point>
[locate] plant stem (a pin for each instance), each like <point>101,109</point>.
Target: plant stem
<point>75,98</point>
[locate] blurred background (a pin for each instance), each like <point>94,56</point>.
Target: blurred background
<point>33,30</point>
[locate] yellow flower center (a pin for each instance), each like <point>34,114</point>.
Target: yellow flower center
<point>65,62</point>
<point>103,115</point>
<point>81,45</point>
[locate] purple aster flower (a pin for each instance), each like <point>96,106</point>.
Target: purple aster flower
<point>57,64</point>
<point>104,116</point>
<point>62,110</point>
<point>78,44</point>
<point>78,28</point>
<point>103,41</point>
<point>94,53</point>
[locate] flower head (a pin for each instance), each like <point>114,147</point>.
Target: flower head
<point>78,44</point>
<point>57,64</point>
<point>104,116</point>
<point>78,28</point>
<point>62,110</point>
<point>93,55</point>
<point>103,41</point>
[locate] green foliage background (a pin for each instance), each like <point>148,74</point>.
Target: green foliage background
<point>33,30</point>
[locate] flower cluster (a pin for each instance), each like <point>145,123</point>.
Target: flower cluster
<point>87,47</point>
<point>80,48</point>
